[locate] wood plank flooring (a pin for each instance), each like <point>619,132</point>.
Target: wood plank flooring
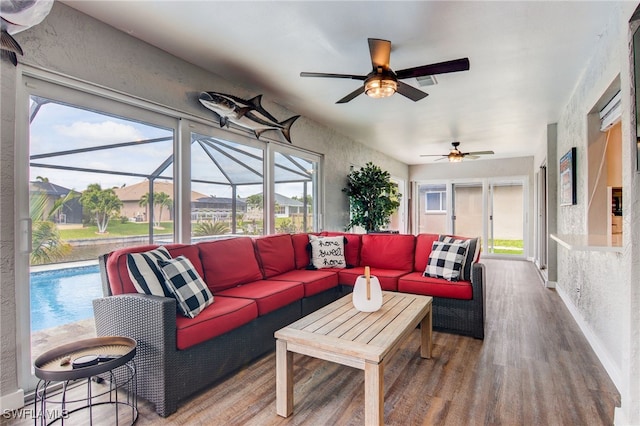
<point>533,368</point>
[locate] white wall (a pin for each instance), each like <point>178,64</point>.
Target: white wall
<point>75,45</point>
<point>601,289</point>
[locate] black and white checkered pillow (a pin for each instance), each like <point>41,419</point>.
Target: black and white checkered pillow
<point>473,253</point>
<point>445,260</point>
<point>145,273</point>
<point>187,286</point>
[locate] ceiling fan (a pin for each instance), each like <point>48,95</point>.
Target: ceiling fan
<point>383,81</point>
<point>455,155</point>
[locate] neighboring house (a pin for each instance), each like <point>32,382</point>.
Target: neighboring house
<point>71,211</point>
<point>216,208</point>
<point>131,195</point>
<point>285,206</point>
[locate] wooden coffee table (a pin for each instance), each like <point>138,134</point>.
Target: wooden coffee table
<point>341,334</point>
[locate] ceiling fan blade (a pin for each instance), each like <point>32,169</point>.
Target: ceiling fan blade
<point>432,69</point>
<point>380,51</point>
<point>472,157</point>
<point>411,92</point>
<point>444,157</point>
<point>480,153</point>
<point>350,96</point>
<point>328,75</point>
<point>432,155</point>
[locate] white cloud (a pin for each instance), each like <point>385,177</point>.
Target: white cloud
<point>106,131</point>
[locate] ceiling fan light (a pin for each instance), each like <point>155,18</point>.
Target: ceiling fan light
<point>380,87</point>
<point>453,158</point>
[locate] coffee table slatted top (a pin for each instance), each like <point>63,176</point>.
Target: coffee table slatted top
<point>370,336</point>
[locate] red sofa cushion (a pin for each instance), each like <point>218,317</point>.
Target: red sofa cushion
<point>388,277</point>
<point>424,242</point>
<point>228,263</point>
<point>119,279</point>
<point>351,248</point>
<point>314,282</point>
<point>269,295</point>
<point>301,252</point>
<point>388,251</point>
<point>417,284</point>
<point>276,254</point>
<point>223,315</point>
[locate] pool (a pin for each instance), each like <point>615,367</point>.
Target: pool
<point>62,296</point>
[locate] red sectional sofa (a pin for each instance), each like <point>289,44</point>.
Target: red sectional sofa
<point>261,285</point>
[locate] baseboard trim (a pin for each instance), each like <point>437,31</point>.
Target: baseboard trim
<point>12,401</point>
<point>612,370</point>
<point>550,284</point>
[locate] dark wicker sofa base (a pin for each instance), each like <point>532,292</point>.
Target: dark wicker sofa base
<point>167,376</point>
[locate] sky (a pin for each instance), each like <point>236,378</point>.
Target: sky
<point>57,128</point>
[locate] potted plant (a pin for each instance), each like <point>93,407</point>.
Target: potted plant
<point>373,197</point>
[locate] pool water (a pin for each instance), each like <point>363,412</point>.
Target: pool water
<point>63,296</point>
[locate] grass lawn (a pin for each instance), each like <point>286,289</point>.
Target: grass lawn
<point>115,229</point>
<point>507,246</point>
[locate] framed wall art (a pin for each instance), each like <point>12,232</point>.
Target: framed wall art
<point>568,193</point>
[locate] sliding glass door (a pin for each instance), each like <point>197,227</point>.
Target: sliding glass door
<point>506,218</point>
<point>467,209</point>
<point>493,209</point>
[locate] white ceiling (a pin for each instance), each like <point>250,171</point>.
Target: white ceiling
<point>525,59</point>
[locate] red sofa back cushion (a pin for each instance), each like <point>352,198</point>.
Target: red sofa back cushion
<point>388,251</point>
<point>300,243</point>
<point>119,280</point>
<point>228,263</point>
<point>424,243</point>
<point>351,249</point>
<point>276,254</point>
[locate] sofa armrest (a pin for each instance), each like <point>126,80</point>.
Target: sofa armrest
<point>478,280</point>
<point>150,320</point>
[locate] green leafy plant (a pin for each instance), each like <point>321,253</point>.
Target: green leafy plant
<point>47,245</point>
<point>373,197</point>
<point>103,203</point>
<point>208,227</point>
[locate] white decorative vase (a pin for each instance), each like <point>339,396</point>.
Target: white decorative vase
<point>367,294</point>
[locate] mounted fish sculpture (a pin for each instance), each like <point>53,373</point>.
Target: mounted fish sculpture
<point>248,114</point>
<point>16,16</point>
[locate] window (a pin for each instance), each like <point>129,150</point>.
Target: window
<point>436,200</point>
<point>170,180</point>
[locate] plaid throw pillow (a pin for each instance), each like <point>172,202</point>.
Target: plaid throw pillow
<point>186,285</point>
<point>145,274</point>
<point>473,254</point>
<point>445,260</point>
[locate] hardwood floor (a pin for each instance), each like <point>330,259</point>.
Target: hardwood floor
<point>533,368</point>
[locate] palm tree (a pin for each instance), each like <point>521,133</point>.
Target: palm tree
<point>46,244</point>
<point>161,199</point>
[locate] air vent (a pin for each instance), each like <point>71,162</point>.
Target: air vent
<point>427,80</point>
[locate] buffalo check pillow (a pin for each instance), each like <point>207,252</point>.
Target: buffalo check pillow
<point>145,273</point>
<point>445,260</point>
<point>187,286</point>
<point>473,254</point>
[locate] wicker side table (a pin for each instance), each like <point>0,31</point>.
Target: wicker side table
<point>114,363</point>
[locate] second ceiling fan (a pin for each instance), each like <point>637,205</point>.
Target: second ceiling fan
<point>455,155</point>
<point>383,81</point>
